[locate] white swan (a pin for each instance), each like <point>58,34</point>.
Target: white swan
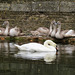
<point>49,45</point>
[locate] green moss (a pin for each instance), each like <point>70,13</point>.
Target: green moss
<point>38,39</point>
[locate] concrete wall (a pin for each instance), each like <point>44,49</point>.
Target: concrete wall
<point>41,6</point>
<point>31,15</point>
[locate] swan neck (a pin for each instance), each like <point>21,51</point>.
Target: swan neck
<point>46,44</point>
<point>6,30</point>
<point>7,26</point>
<point>54,28</point>
<point>50,28</point>
<point>59,28</point>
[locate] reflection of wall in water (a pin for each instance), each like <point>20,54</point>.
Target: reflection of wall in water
<point>33,68</point>
<point>66,48</point>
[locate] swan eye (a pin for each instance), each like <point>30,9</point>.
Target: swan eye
<point>48,44</point>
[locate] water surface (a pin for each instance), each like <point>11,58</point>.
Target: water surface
<point>28,63</point>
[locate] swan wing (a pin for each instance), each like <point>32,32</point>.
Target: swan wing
<point>34,47</point>
<point>70,33</point>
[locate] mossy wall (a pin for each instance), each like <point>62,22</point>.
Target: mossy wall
<point>31,14</point>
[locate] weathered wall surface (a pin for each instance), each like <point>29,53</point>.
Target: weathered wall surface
<point>41,6</point>
<point>32,14</point>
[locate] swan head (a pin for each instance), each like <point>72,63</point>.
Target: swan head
<point>53,22</point>
<point>49,43</point>
<point>58,22</point>
<point>15,28</point>
<point>6,23</point>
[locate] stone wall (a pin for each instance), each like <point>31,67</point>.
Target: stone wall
<point>40,6</point>
<point>32,14</point>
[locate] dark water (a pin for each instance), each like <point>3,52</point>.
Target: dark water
<point>62,63</point>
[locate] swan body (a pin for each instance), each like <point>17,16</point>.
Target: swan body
<point>35,33</point>
<point>48,46</point>
<point>70,33</point>
<point>40,31</point>
<point>43,30</point>
<point>14,31</point>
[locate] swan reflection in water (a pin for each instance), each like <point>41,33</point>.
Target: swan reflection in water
<point>9,49</point>
<point>46,56</point>
<point>66,49</point>
<point>7,46</point>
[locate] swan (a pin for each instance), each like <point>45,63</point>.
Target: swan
<point>35,33</point>
<point>60,34</point>
<point>70,33</point>
<point>43,30</point>
<point>47,56</point>
<point>65,33</point>
<point>54,29</point>
<point>12,32</point>
<point>51,30</point>
<point>2,31</point>
<point>49,45</point>
<point>40,31</point>
<point>6,32</point>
